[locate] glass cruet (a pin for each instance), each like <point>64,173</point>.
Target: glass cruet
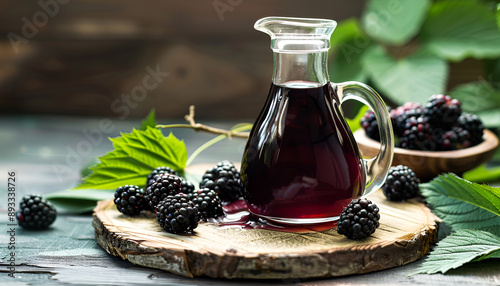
<point>301,164</point>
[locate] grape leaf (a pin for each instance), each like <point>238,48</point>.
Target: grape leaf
<point>457,29</point>
<point>150,120</point>
<point>134,156</point>
<point>394,22</point>
<point>459,248</point>
<point>462,204</point>
<point>414,78</point>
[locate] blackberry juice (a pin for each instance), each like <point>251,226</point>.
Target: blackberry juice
<point>301,160</point>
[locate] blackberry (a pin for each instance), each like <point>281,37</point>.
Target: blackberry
<point>443,111</point>
<point>473,124</point>
<point>207,202</point>
<point>130,200</point>
<point>402,113</point>
<point>359,219</point>
<point>401,184</point>
<point>225,180</point>
<point>186,186</point>
<point>417,135</point>
<point>177,214</point>
<point>454,139</point>
<point>159,171</point>
<point>35,212</point>
<point>163,185</point>
<point>370,124</point>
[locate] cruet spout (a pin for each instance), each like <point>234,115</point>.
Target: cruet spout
<point>297,35</point>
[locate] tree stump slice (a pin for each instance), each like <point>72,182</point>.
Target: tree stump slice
<point>406,232</point>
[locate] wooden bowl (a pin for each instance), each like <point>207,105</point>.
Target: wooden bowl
<point>428,164</point>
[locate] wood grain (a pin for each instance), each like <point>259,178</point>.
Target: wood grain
<point>406,233</point>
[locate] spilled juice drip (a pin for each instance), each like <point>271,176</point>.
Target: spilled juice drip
<point>238,216</point>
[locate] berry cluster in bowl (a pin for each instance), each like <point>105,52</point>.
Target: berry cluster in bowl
<point>178,205</point>
<point>439,125</point>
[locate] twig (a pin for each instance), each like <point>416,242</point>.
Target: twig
<point>201,127</point>
<point>215,140</point>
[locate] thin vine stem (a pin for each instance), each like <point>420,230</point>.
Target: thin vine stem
<point>201,127</point>
<point>235,130</point>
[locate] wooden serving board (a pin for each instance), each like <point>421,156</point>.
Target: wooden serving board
<point>406,233</point>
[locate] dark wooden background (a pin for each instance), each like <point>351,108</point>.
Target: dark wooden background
<point>90,52</point>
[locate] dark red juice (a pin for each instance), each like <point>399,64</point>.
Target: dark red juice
<point>301,160</point>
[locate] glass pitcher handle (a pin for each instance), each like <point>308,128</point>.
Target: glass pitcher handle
<point>377,167</point>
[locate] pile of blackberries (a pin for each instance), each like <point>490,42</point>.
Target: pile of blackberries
<point>177,204</point>
<point>439,125</point>
<point>178,211</point>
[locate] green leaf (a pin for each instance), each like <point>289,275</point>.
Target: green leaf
<point>482,196</point>
<point>134,156</point>
<point>498,15</point>
<point>346,31</point>
<point>355,123</point>
<point>394,22</point>
<point>482,174</point>
<point>480,98</point>
<point>78,201</point>
<point>457,29</point>
<point>462,204</point>
<point>149,120</point>
<point>414,78</point>
<point>84,200</point>
<point>496,157</point>
<point>477,96</point>
<point>87,168</point>
<point>491,255</point>
<point>492,72</point>
<point>348,45</point>
<point>459,248</point>
<point>490,118</point>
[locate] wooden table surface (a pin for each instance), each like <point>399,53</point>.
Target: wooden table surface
<point>68,254</point>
